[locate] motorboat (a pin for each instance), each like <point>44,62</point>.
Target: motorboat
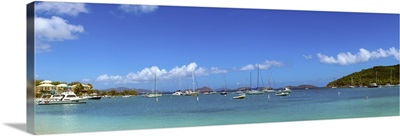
<point>63,98</point>
<point>241,96</point>
<point>286,89</point>
<point>126,96</point>
<point>223,93</point>
<point>177,93</point>
<point>153,95</point>
<point>282,93</point>
<point>373,85</point>
<point>254,92</point>
<point>190,93</point>
<point>94,96</point>
<point>269,90</point>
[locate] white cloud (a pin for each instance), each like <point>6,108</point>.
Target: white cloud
<point>362,56</point>
<point>53,29</point>
<point>265,65</point>
<point>105,77</point>
<point>56,29</point>
<point>215,70</point>
<point>247,67</point>
<point>307,56</point>
<point>138,9</point>
<point>60,8</point>
<point>147,74</point>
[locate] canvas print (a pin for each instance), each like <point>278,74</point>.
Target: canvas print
<point>104,67</point>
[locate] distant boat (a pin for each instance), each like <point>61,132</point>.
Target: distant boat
<point>282,93</point>
<point>255,91</point>
<point>269,89</point>
<point>190,93</point>
<point>373,85</point>
<point>154,93</point>
<point>193,91</point>
<point>177,93</point>
<point>287,89</point>
<point>106,96</point>
<point>126,96</point>
<point>94,96</point>
<point>223,92</point>
<point>352,82</point>
<point>241,96</point>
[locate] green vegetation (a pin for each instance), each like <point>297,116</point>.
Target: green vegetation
<point>381,75</point>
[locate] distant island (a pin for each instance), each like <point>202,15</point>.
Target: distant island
<point>301,87</point>
<point>381,75</point>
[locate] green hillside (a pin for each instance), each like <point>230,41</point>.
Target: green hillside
<point>381,75</point>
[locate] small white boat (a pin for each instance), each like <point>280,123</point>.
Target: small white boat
<point>126,96</point>
<point>254,92</point>
<point>153,95</point>
<point>190,93</point>
<point>177,93</point>
<point>282,93</point>
<point>94,96</point>
<point>373,85</point>
<point>242,96</point>
<point>63,98</point>
<point>223,93</point>
<point>287,90</point>
<point>267,90</point>
<point>106,96</point>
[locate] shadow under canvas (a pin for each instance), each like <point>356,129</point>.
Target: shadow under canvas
<point>18,126</point>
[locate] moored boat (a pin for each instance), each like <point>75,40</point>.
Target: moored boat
<point>373,85</point>
<point>177,93</point>
<point>63,98</point>
<point>241,96</point>
<point>282,93</point>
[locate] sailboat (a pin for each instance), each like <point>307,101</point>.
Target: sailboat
<point>192,92</point>
<point>374,85</point>
<point>154,93</point>
<point>390,84</point>
<point>352,86</point>
<point>255,91</point>
<point>269,89</point>
<point>178,92</point>
<point>224,91</point>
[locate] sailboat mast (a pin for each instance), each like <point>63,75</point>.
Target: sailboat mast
<point>225,83</point>
<point>250,80</point>
<point>390,76</point>
<point>258,74</point>
<point>179,82</point>
<point>193,79</point>
<point>155,83</point>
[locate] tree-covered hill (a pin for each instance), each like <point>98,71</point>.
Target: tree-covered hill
<point>381,75</point>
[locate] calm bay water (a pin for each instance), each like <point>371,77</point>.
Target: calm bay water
<point>184,111</point>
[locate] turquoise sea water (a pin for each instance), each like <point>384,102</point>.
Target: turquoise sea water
<point>183,111</point>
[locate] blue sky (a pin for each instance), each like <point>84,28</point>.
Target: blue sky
<point>124,45</point>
